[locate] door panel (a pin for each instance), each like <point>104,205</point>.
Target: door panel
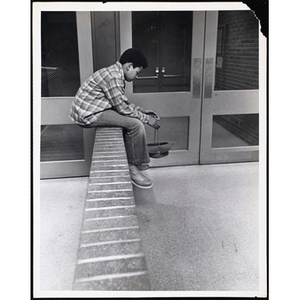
<point>179,108</point>
<point>66,62</point>
<point>230,99</point>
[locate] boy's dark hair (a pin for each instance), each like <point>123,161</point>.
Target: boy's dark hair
<point>135,56</point>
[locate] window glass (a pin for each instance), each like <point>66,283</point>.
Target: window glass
<point>60,63</point>
<point>61,142</point>
<point>235,130</point>
<point>173,129</point>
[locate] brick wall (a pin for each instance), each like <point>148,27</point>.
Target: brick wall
<point>110,254</point>
<point>238,50</point>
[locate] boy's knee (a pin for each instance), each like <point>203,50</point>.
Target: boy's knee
<point>137,126</point>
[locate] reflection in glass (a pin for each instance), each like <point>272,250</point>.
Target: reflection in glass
<point>235,130</point>
<point>60,63</point>
<point>61,142</point>
<point>237,51</point>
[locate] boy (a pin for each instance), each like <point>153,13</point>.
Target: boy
<point>101,101</point>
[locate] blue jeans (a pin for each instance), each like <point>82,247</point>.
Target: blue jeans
<point>133,132</point>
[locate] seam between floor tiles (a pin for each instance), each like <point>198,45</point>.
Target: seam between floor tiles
<point>110,254</point>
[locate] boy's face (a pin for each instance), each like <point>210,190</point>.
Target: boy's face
<point>130,72</point>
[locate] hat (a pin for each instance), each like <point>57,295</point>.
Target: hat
<point>159,150</point>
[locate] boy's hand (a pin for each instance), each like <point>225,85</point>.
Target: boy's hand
<point>151,113</point>
<point>153,122</point>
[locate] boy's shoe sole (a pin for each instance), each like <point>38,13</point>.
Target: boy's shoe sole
<point>142,186</point>
<point>143,168</point>
<point>146,170</point>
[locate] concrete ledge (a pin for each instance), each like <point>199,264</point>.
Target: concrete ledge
<point>110,255</point>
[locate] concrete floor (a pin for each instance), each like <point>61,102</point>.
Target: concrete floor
<point>199,226</point>
<point>61,211</point>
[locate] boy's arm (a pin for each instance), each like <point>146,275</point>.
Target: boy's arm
<point>115,93</point>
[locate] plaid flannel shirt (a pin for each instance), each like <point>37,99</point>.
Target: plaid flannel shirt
<point>105,89</point>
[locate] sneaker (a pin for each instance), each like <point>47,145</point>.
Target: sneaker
<point>138,179</point>
<point>144,167</point>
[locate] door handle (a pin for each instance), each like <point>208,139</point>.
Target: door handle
<point>171,76</point>
<point>163,71</point>
<point>150,77</point>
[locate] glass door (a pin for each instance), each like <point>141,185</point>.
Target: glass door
<point>171,85</point>
<point>230,127</point>
<point>66,60</point>
<point>166,40</point>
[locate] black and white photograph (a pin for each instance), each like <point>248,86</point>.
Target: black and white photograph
<point>150,150</point>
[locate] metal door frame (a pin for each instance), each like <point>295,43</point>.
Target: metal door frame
<point>222,102</point>
<point>55,110</point>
